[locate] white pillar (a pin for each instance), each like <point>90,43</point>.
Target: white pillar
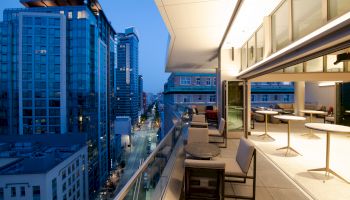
<point>299,97</point>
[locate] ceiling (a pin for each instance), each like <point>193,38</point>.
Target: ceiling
<point>196,29</point>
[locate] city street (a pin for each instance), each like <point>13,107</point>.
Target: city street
<point>143,141</point>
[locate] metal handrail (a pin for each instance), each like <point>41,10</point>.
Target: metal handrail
<point>122,194</point>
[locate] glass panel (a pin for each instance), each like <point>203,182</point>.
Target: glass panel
<point>280,27</point>
<point>244,56</point>
<point>331,67</point>
<point>294,69</point>
<point>251,51</point>
<point>307,17</point>
<point>337,8</point>
<point>315,65</point>
<point>235,106</point>
<point>260,44</point>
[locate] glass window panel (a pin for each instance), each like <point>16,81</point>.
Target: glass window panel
<point>251,51</point>
<point>294,69</point>
<point>244,56</point>
<point>331,67</point>
<point>315,65</point>
<point>260,43</point>
<point>280,27</point>
<point>307,17</point>
<point>337,8</point>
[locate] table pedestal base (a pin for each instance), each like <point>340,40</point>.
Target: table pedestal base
<point>311,135</point>
<point>265,134</point>
<point>288,148</point>
<point>329,171</point>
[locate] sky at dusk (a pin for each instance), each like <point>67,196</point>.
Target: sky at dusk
<point>153,35</point>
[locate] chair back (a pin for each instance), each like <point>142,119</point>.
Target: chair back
<point>204,179</point>
<point>198,118</point>
<point>197,135</point>
<point>245,154</point>
<point>222,126</point>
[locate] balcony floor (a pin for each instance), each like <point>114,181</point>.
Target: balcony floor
<point>272,183</point>
<point>313,151</point>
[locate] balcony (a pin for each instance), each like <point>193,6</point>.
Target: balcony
<point>280,175</point>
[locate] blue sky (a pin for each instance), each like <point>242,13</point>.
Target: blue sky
<point>144,15</point>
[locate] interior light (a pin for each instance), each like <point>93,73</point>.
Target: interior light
<point>328,83</point>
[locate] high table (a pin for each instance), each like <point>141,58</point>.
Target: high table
<point>289,118</point>
<point>266,113</point>
<point>329,128</point>
<point>347,111</point>
<point>201,150</point>
<point>311,112</point>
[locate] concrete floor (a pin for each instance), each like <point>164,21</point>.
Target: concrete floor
<point>313,153</point>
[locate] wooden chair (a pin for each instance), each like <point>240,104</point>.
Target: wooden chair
<point>204,179</point>
<point>236,169</point>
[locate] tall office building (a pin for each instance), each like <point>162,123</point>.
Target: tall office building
<point>127,75</point>
<point>56,60</point>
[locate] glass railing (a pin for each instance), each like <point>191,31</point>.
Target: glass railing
<point>150,179</point>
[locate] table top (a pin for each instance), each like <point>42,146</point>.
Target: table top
<point>202,150</point>
<point>313,111</point>
<point>328,127</point>
<point>347,111</point>
<point>267,112</point>
<point>289,117</point>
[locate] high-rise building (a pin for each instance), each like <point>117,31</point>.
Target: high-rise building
<point>140,93</point>
<point>56,64</point>
<point>127,76</point>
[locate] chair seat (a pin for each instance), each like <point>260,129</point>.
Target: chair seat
<point>330,119</point>
<point>214,132</point>
<point>231,167</point>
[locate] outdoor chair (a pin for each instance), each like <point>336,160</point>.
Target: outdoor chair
<point>197,135</point>
<point>204,179</point>
<point>220,132</point>
<point>198,121</point>
<point>236,169</point>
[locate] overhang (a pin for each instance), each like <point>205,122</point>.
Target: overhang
<point>196,29</point>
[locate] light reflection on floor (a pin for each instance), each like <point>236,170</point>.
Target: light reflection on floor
<point>313,152</point>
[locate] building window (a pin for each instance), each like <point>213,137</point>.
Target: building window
<point>186,99</point>
<point>2,194</point>
<point>214,81</point>
<point>36,192</point>
<point>13,191</point>
<point>286,98</point>
<point>54,189</point>
<point>23,191</point>
<point>252,98</point>
<point>280,27</point>
<point>198,81</point>
<point>264,98</point>
<point>208,81</point>
<point>212,98</point>
<point>185,80</point>
<point>70,15</point>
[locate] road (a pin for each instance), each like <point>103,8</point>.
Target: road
<point>135,155</point>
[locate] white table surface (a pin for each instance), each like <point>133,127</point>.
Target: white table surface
<point>313,112</point>
<point>267,112</point>
<point>347,111</point>
<point>289,117</point>
<point>328,127</point>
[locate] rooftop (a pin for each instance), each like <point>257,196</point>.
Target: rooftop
<point>22,155</point>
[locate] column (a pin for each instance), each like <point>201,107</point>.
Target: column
<point>299,97</point>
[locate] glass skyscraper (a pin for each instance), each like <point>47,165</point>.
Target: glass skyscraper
<point>55,75</point>
<point>127,75</point>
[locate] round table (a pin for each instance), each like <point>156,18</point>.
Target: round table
<point>266,112</point>
<point>202,150</point>
<point>289,118</point>
<point>329,128</point>
<point>347,111</point>
<point>311,112</point>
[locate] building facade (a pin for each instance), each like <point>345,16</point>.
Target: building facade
<point>268,94</point>
<point>140,94</point>
<point>56,64</point>
<point>190,89</point>
<point>127,76</point>
<point>61,174</point>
